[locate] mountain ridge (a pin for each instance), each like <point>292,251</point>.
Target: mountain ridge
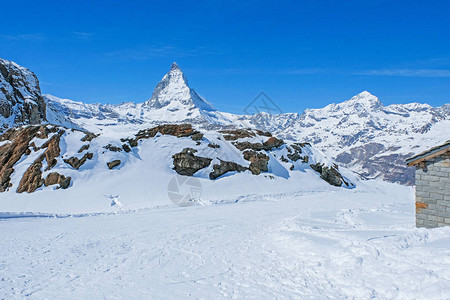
<point>360,133</point>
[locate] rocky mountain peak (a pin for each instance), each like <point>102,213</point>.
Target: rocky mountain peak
<point>364,99</point>
<point>21,101</point>
<point>175,66</point>
<point>174,93</point>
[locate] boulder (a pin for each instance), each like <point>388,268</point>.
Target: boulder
<point>186,163</point>
<point>329,174</point>
<point>84,147</point>
<point>224,167</point>
<point>258,161</point>
<point>56,178</point>
<point>76,163</point>
<point>113,164</point>
<point>113,148</point>
<point>272,142</point>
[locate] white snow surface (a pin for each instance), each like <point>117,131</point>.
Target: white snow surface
<point>313,243</point>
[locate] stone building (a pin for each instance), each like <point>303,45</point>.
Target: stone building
<point>432,186</point>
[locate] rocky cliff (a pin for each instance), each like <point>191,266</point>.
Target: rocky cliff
<point>21,101</point>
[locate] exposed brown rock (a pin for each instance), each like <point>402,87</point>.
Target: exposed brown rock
<point>178,130</point>
<point>113,164</point>
<point>52,151</point>
<point>89,136</point>
<point>224,167</point>
<point>126,148</point>
<point>113,148</point>
<point>234,134</point>
<point>84,147</point>
<point>186,163</point>
<point>258,161</point>
<point>10,153</point>
<point>32,178</point>
<point>76,163</point>
<point>263,133</point>
<point>247,145</point>
<point>198,136</point>
<point>56,178</point>
<point>272,142</point>
<point>268,145</point>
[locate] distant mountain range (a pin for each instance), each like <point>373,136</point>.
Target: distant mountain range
<point>359,133</point>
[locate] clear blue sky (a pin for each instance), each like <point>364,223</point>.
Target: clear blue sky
<point>303,54</point>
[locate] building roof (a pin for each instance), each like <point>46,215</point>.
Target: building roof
<point>428,154</point>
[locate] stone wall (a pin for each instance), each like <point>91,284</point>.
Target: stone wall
<point>433,192</point>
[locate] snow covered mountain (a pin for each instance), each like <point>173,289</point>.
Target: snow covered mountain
<point>360,133</point>
<point>364,135</point>
<point>83,168</point>
<point>20,96</point>
<point>173,101</point>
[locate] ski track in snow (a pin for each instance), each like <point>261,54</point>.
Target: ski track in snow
<point>300,245</point>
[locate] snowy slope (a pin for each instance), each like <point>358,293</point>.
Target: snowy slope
<point>368,137</point>
<point>361,133</point>
<point>346,244</point>
<point>145,172</point>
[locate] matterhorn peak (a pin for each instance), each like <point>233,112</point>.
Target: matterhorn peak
<point>173,92</point>
<point>175,66</point>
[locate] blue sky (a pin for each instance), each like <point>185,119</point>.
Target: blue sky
<point>303,54</point>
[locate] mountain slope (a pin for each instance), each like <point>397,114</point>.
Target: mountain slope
<point>20,96</point>
<point>367,136</point>
<point>360,133</point>
<point>86,169</point>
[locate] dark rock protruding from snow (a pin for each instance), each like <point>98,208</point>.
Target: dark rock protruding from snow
<point>112,164</point>
<point>21,101</point>
<point>225,167</point>
<point>258,161</point>
<point>56,178</point>
<point>329,174</point>
<point>186,163</point>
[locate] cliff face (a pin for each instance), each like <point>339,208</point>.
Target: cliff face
<point>21,101</point>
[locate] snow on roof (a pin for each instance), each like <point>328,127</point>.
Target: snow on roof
<point>430,153</point>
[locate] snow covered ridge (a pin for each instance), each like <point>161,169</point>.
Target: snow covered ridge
<point>48,158</point>
<point>368,137</point>
<point>361,133</point>
<point>20,96</point>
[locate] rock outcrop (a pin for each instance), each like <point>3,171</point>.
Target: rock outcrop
<point>186,163</point>
<point>18,143</point>
<point>178,130</point>
<point>225,167</point>
<point>21,101</point>
<point>56,178</point>
<point>268,145</point>
<point>258,161</point>
<point>76,163</point>
<point>329,174</point>
<point>112,164</point>
<point>32,178</point>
